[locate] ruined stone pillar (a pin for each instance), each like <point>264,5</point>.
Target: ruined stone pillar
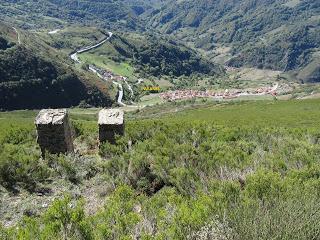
<point>111,123</point>
<point>54,133</point>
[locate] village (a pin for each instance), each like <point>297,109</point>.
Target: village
<point>227,94</point>
<point>186,94</point>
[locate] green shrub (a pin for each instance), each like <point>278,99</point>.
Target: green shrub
<point>176,178</point>
<point>118,218</point>
<point>65,219</point>
<point>20,166</point>
<point>19,135</point>
<point>293,218</point>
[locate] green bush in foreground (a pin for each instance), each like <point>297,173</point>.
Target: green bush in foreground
<point>174,179</point>
<point>291,214</point>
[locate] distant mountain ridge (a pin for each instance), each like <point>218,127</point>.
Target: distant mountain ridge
<point>272,34</point>
<point>54,13</point>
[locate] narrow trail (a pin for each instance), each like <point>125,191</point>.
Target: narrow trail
<point>18,35</point>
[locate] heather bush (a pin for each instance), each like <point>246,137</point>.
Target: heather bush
<point>171,178</point>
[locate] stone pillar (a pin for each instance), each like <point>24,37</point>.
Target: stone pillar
<point>111,123</point>
<point>54,133</point>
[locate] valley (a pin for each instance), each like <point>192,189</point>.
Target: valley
<point>136,54</point>
<point>99,72</point>
<point>159,119</point>
<point>108,75</point>
<point>238,81</point>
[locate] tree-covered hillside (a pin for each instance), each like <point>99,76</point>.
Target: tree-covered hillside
<point>156,56</point>
<point>274,34</point>
<point>55,13</point>
<point>146,54</point>
<point>30,79</point>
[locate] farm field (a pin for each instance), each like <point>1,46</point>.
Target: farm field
<point>183,170</point>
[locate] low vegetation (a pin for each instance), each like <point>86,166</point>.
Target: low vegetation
<point>196,174</point>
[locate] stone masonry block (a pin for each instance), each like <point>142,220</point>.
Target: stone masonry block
<point>54,132</point>
<point>111,123</point>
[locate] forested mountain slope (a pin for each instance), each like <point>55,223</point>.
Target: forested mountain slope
<point>151,55</point>
<point>145,54</point>
<point>107,13</point>
<point>274,34</point>
<point>32,76</point>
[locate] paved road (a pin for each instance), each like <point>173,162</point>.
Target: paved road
<point>74,56</point>
<point>18,35</point>
<point>130,89</point>
<point>115,83</point>
<point>54,31</point>
<point>139,81</point>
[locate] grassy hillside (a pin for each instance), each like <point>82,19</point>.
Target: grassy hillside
<point>34,75</point>
<point>216,173</point>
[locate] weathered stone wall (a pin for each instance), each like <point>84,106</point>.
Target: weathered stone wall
<point>54,132</point>
<point>111,123</point>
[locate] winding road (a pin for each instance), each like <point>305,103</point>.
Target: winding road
<point>54,31</point>
<point>18,35</point>
<point>120,96</point>
<point>74,57</point>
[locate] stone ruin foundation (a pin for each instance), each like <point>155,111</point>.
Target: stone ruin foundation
<point>54,132</point>
<point>111,123</point>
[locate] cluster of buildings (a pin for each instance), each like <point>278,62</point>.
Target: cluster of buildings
<point>188,93</point>
<point>106,74</point>
<point>227,94</point>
